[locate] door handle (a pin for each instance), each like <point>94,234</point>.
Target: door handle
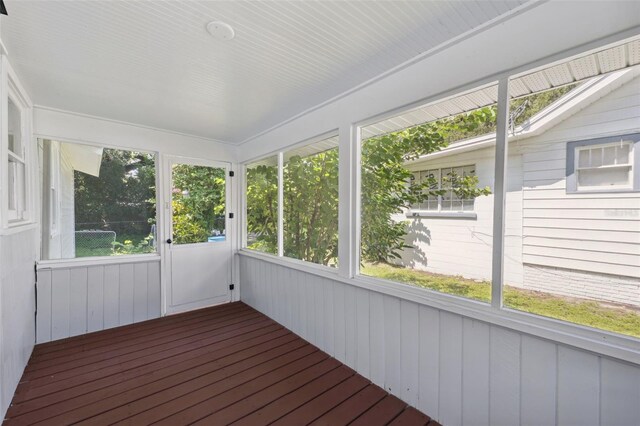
<point>169,241</point>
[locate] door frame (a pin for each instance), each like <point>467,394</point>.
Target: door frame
<point>165,219</point>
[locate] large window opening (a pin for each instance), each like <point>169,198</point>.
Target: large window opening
<point>310,207</point>
<point>262,205</point>
<point>580,206</point>
<point>427,204</point>
<point>96,201</point>
<point>569,247</point>
<point>292,203</point>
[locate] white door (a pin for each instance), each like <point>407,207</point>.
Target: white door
<point>198,249</point>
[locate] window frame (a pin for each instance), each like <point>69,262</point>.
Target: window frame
<point>21,185</point>
<point>599,341</point>
<point>280,155</point>
<point>125,258</point>
<point>572,169</point>
<point>440,212</point>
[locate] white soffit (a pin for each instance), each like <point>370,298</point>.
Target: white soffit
<point>154,63</point>
<point>584,67</point>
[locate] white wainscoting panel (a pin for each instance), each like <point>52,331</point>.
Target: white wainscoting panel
<point>457,370</point>
<point>78,300</point>
<point>17,305</point>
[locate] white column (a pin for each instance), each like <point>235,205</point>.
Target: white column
<point>346,202</point>
<point>499,193</point>
<point>280,204</point>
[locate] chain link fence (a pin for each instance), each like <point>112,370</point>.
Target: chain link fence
<point>114,238</point>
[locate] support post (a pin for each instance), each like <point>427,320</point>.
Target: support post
<point>499,193</point>
<point>280,204</point>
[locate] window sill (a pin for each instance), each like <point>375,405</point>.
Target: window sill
<point>597,341</point>
<point>443,215</point>
<point>300,265</point>
<point>83,262</point>
<point>613,190</point>
<point>17,227</point>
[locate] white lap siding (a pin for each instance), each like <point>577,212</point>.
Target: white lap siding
<point>582,245</point>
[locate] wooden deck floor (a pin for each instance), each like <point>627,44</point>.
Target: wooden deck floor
<point>221,365</point>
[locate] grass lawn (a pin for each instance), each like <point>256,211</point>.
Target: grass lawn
<point>606,317</point>
<point>84,251</point>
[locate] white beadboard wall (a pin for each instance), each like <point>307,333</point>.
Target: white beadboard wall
<point>84,299</point>
<point>458,370</point>
<point>17,257</point>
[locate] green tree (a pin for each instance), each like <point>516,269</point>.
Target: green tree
<point>121,198</point>
<point>311,207</point>
<point>262,207</point>
<point>198,201</point>
<point>311,187</point>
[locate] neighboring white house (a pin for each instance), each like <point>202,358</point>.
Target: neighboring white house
<point>573,221</point>
<point>58,162</point>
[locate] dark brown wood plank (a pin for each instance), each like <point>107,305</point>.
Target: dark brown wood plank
<point>119,332</point>
<point>151,364</point>
<point>325,402</point>
<point>410,417</point>
<point>350,409</point>
<point>158,352</point>
<point>196,405</point>
<point>236,403</point>
<point>220,365</point>
<point>187,333</point>
<point>90,405</point>
<point>383,412</point>
<point>258,400</point>
<point>140,336</point>
<point>116,384</point>
<point>293,400</point>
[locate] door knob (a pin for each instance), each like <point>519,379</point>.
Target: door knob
<point>169,241</point>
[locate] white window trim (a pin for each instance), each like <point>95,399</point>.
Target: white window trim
<point>440,212</point>
<point>126,258</point>
<point>10,88</point>
<point>573,149</point>
<point>280,154</point>
<point>54,191</point>
<point>629,166</point>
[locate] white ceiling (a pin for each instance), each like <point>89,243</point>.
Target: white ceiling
<point>153,63</point>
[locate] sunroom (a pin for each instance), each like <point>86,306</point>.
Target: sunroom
<point>320,212</point>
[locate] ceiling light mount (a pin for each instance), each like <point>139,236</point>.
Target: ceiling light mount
<point>220,30</point>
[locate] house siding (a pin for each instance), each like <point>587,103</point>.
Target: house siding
<point>582,245</point>
<point>462,246</point>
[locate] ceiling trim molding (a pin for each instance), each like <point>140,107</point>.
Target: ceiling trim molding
<point>128,123</point>
<point>443,46</point>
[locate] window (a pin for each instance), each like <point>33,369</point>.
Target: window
<point>602,164</point>
<point>292,203</point>
<point>436,231</point>
<point>310,207</point>
<point>97,201</point>
<point>606,165</point>
<point>451,182</point>
<point>577,244</point>
<point>262,205</point>
<point>198,204</point>
<point>17,177</point>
